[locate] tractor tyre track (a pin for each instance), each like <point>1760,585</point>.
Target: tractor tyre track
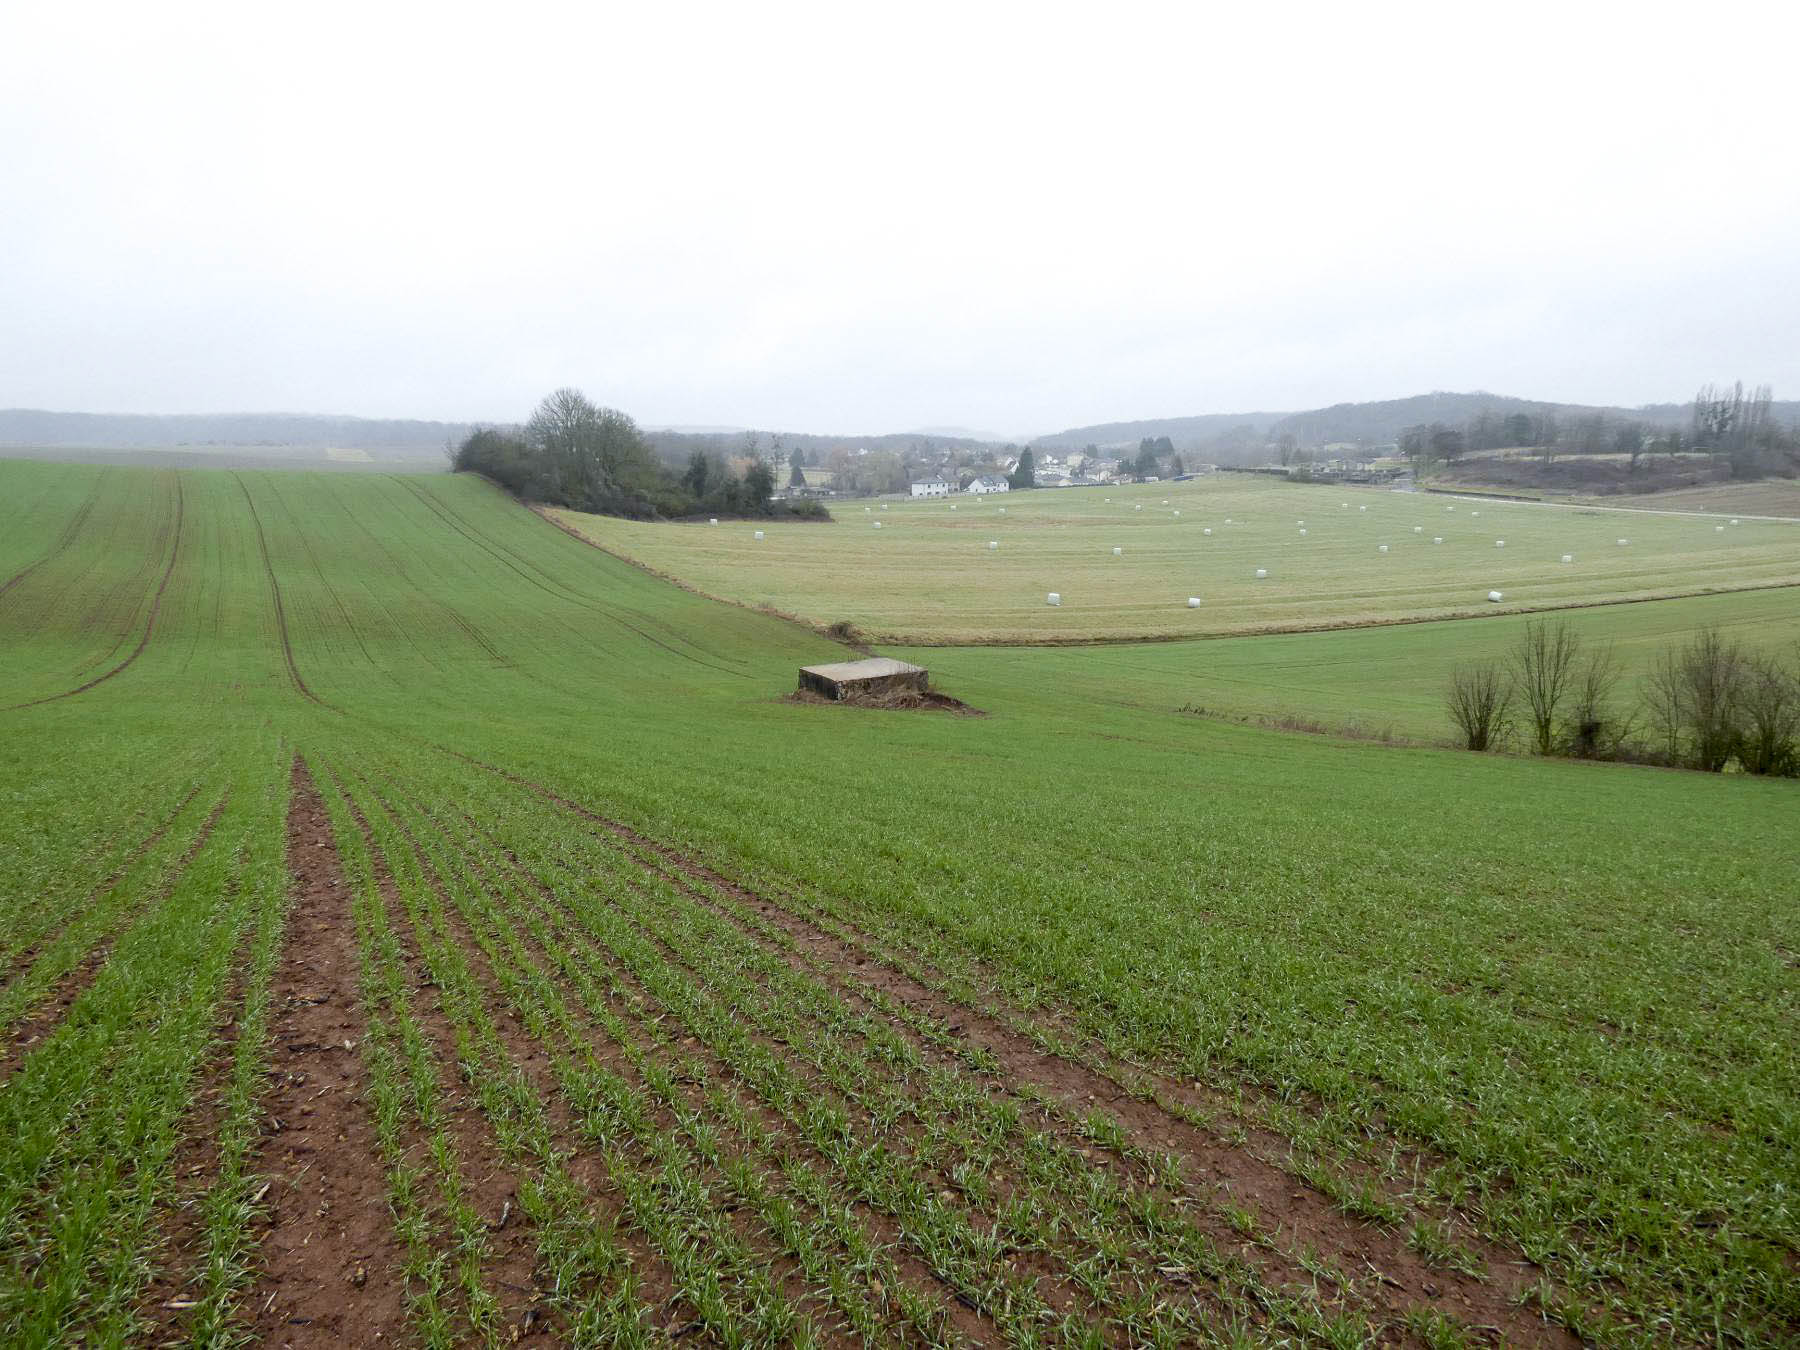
<point>64,540</point>
<point>281,624</point>
<point>149,627</point>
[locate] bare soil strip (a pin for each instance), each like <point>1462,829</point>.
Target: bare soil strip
<point>1402,1278</point>
<point>76,981</point>
<point>331,1262</point>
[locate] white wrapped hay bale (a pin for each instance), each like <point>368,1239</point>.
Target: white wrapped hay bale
<point>1495,596</point>
<point>1303,534</point>
<point>1207,529</point>
<point>1261,572</point>
<point>993,544</point>
<point>1054,598</point>
<point>1568,557</point>
<point>878,524</point>
<point>1118,553</point>
<point>1138,507</point>
<point>1418,529</point>
<point>1381,548</point>
<point>1623,542</point>
<point>1193,602</point>
<point>1362,508</point>
<point>1177,511</point>
<point>713,521</point>
<point>1719,529</point>
<point>1499,543</point>
<point>759,534</point>
<point>1734,520</point>
<point>1437,538</point>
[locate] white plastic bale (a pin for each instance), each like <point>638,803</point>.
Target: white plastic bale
<point>993,544</point>
<point>1118,553</point>
<point>1734,520</point>
<point>1206,529</point>
<point>1362,508</point>
<point>1261,572</point>
<point>1303,534</point>
<point>1177,511</point>
<point>1381,548</point>
<point>1418,529</point>
<point>1495,596</point>
<point>878,524</point>
<point>1138,507</point>
<point>759,534</point>
<point>1054,598</point>
<point>1193,602</point>
<point>1437,538</point>
<point>1719,529</point>
<point>1499,543</point>
<point>1623,542</point>
<point>1568,557</point>
<point>1002,510</point>
<point>713,521</point>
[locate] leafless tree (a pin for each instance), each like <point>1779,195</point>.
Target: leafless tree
<point>1480,701</point>
<point>1593,729</point>
<point>1663,700</point>
<point>1771,718</point>
<point>1712,672</point>
<point>1542,664</point>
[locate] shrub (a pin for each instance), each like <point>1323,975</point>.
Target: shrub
<point>1480,700</point>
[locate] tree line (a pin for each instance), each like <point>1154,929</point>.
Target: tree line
<point>1737,428</point>
<point>1704,705</point>
<point>571,452</point>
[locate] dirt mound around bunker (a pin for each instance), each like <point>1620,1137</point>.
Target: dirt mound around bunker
<point>896,700</point>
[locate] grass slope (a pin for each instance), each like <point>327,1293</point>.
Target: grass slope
<point>1559,1000</point>
<point>927,576</point>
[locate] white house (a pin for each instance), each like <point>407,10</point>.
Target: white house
<point>990,483</point>
<point>931,487</point>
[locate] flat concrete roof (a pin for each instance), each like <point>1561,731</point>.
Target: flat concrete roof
<point>872,669</point>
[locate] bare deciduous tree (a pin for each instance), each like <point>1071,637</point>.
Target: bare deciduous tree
<point>1543,669</point>
<point>1771,718</point>
<point>1593,729</point>
<point>1480,701</point>
<point>1712,674</point>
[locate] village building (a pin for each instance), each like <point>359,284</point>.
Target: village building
<point>989,483</point>
<point>931,487</point>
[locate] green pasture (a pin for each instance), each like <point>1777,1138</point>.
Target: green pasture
<point>1367,681</point>
<point>927,574</point>
<point>1559,999</point>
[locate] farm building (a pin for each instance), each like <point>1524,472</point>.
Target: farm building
<point>852,679</point>
<point>989,483</point>
<point>931,487</point>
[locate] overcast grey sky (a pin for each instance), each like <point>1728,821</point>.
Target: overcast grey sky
<point>852,218</point>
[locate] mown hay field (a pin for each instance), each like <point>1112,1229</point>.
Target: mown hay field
<point>418,924</point>
<point>928,576</point>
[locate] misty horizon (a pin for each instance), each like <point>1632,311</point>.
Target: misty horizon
<point>822,222</point>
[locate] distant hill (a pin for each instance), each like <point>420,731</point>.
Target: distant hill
<point>1375,423</point>
<point>1187,433</point>
<point>33,427</point>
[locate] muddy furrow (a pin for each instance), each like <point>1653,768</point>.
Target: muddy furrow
<point>331,1263</point>
<point>62,995</point>
<point>149,626</point>
<point>1300,1214</point>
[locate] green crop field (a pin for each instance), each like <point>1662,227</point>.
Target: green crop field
<point>928,576</point>
<point>420,927</point>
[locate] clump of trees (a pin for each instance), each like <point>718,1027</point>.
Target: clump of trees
<point>573,453</point>
<point>1705,705</point>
